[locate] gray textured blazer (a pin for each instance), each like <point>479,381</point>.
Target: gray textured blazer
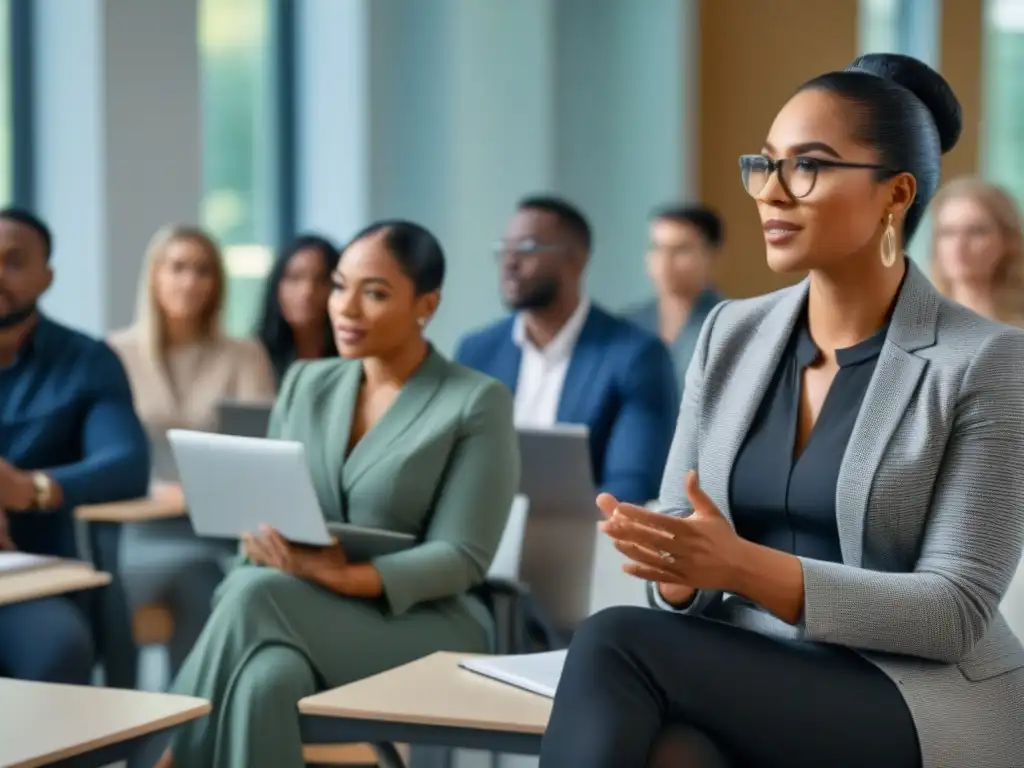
<point>930,507</point>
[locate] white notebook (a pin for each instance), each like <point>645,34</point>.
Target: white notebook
<point>12,562</point>
<point>534,672</point>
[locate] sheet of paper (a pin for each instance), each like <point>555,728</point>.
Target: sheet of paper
<point>535,672</point>
<point>11,562</point>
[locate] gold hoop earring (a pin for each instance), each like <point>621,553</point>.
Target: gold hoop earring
<point>887,248</point>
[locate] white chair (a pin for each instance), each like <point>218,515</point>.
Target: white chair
<point>502,591</point>
<point>610,585</point>
<point>1013,604</point>
<point>510,549</point>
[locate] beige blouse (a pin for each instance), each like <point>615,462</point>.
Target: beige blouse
<point>183,393</point>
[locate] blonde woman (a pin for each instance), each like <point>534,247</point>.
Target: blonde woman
<point>180,366</point>
<point>977,251</point>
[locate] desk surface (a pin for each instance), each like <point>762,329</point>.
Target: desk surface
<point>46,581</point>
<point>43,722</point>
<point>435,691</point>
<point>132,511</point>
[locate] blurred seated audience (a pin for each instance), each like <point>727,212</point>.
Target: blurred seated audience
<point>180,366</point>
<point>68,436</point>
<point>685,241</point>
<point>294,324</point>
<point>978,250</point>
<point>568,360</point>
<point>398,438</point>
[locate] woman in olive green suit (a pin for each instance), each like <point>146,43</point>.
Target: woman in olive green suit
<point>397,437</point>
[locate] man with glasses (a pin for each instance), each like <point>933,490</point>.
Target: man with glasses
<point>569,361</point>
<point>684,244</point>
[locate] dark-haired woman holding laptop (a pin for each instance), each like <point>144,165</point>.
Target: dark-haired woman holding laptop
<point>399,438</point>
<point>847,478</point>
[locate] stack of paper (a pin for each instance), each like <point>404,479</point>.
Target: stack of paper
<point>534,672</point>
<point>11,562</point>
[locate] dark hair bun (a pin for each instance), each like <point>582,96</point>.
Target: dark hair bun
<point>925,83</point>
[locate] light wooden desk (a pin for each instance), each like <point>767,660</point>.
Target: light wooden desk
<point>132,511</point>
<point>80,726</point>
<point>48,580</point>
<point>430,701</point>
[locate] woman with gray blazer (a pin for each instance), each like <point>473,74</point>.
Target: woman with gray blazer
<point>845,490</point>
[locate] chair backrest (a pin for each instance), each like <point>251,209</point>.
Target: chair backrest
<point>1013,603</point>
<point>510,549</point>
<point>610,585</point>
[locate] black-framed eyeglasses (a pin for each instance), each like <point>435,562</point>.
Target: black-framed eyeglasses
<point>524,248</point>
<point>797,175</point>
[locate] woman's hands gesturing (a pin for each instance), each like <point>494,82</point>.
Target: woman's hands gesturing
<point>680,554</point>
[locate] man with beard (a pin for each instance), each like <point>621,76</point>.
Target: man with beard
<point>569,361</point>
<point>68,436</point>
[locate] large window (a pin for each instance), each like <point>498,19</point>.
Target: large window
<point>6,113</point>
<point>239,202</point>
<point>1003,126</point>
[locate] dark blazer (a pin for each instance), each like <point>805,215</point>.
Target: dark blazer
<point>66,409</point>
<point>620,383</point>
<point>682,346</point>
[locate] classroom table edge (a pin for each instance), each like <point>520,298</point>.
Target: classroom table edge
<point>199,708</point>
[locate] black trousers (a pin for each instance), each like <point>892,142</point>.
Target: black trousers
<point>732,698</point>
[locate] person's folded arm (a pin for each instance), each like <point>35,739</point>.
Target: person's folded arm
<point>470,514</point>
<point>682,457</point>
<point>635,454</point>
<point>115,451</point>
<point>971,545</point>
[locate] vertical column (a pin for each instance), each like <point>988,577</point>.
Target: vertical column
<point>117,144</point>
<point>332,86</point>
<point>917,29</point>
<point>625,83</point>
<point>501,144</point>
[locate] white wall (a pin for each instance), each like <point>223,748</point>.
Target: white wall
<point>117,145</point>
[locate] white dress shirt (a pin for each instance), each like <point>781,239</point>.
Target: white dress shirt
<point>542,371</point>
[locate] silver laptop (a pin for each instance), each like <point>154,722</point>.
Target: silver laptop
<point>163,468</point>
<point>235,484</point>
<point>243,419</point>
<point>561,530</point>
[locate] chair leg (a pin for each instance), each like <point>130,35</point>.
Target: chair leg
<point>388,756</point>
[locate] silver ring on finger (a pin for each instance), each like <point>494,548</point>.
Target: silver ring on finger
<point>668,557</point>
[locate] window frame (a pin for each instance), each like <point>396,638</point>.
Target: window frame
<point>22,71</point>
<point>274,188</point>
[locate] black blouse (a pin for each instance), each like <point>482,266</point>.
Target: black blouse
<point>787,501</point>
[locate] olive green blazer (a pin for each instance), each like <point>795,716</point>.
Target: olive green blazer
<point>442,463</point>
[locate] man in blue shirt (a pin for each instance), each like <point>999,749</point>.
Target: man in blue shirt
<point>68,436</point>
